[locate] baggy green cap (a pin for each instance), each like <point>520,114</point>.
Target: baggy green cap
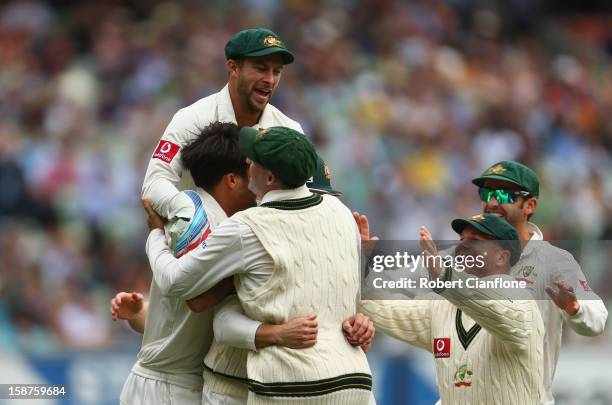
<point>256,42</point>
<point>320,182</point>
<point>514,172</point>
<point>286,152</point>
<point>496,227</point>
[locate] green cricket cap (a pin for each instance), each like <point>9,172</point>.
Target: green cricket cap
<point>256,42</point>
<point>496,227</point>
<point>321,180</point>
<point>513,172</point>
<point>286,152</point>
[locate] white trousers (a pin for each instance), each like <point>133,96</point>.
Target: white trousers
<point>139,390</point>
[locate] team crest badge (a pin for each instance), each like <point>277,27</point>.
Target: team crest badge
<point>463,376</point>
<point>261,133</point>
<point>478,217</point>
<point>497,169</point>
<point>271,41</point>
<point>527,270</point>
<point>326,172</point>
<point>527,274</point>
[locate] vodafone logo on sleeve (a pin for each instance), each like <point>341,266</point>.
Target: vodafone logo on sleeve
<point>441,348</point>
<point>166,151</point>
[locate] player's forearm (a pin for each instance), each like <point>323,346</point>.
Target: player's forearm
<point>138,322</point>
<point>590,320</point>
<point>232,327</point>
<point>268,335</point>
<point>409,321</point>
<point>199,270</point>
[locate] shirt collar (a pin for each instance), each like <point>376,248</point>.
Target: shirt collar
<point>224,106</point>
<point>212,207</point>
<point>536,235</point>
<point>226,110</point>
<point>286,194</point>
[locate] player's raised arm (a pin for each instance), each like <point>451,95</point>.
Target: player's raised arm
<point>165,167</point>
<point>201,269</point>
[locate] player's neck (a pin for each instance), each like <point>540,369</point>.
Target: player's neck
<point>523,232</point>
<point>245,116</point>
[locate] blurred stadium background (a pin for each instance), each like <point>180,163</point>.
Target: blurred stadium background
<point>407,101</point>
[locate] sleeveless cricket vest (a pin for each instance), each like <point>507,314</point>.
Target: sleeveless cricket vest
<point>314,247</point>
<point>225,370</point>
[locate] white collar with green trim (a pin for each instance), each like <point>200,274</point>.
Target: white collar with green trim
<point>287,194</point>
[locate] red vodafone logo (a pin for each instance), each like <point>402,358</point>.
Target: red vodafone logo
<point>165,151</point>
<point>441,348</point>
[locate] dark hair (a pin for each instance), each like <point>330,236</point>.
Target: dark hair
<point>213,154</point>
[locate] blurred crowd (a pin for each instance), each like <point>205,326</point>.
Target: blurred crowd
<point>407,102</point>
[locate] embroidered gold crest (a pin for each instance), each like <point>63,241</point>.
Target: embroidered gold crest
<point>261,133</point>
<point>271,41</point>
<point>478,217</point>
<point>326,172</point>
<point>497,169</point>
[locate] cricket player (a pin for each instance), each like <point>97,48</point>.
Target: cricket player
<point>296,253</point>
<point>225,365</point>
<point>511,190</point>
<point>175,339</point>
<point>255,61</point>
<point>487,345</point>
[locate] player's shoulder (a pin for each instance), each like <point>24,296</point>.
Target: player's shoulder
<point>552,253</point>
<point>203,106</point>
<point>281,119</point>
<point>202,110</point>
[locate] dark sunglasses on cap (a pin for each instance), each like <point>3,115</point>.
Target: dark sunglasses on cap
<point>502,196</point>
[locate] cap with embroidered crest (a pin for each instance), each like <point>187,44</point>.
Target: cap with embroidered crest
<point>256,42</point>
<point>496,227</point>
<point>284,151</point>
<point>513,172</point>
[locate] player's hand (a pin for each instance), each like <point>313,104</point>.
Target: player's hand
<point>154,220</point>
<point>298,333</point>
<point>126,305</point>
<point>359,331</point>
<point>565,298</point>
<point>429,248</point>
<point>364,227</point>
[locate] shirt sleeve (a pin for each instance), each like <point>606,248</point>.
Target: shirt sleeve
<point>509,320</point>
<point>409,321</point>
<point>219,257</point>
<point>165,168</point>
<point>590,320</point>
<point>232,327</point>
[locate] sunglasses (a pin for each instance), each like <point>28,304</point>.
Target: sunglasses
<point>502,196</point>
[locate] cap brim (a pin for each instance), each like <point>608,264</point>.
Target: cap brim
<point>460,224</point>
<point>330,191</point>
<point>285,54</point>
<point>246,140</point>
<point>479,181</point>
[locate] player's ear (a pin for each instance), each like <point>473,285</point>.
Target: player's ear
<point>270,178</point>
<point>230,180</point>
<point>503,258</point>
<point>232,67</point>
<point>530,206</point>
